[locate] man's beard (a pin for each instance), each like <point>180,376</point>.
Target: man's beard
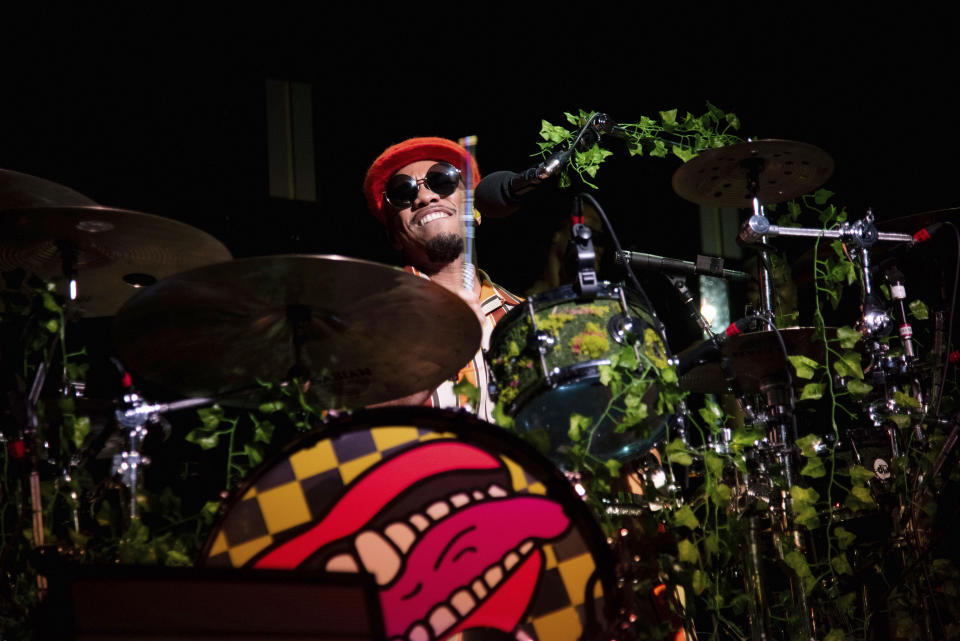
<point>444,248</point>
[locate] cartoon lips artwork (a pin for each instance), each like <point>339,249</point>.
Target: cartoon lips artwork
<point>450,545</point>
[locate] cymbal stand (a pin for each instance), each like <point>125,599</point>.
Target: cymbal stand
<point>134,418</point>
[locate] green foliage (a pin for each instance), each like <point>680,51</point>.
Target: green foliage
<point>682,136</point>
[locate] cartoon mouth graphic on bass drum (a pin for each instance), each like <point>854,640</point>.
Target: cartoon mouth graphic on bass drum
<point>462,525</point>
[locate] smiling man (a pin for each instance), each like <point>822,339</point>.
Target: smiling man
<point>416,189</point>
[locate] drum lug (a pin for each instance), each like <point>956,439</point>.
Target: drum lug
<point>540,341</point>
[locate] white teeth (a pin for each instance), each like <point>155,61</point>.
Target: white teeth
<point>431,217</point>
<point>402,535</point>
<point>441,619</point>
<point>419,632</point>
<point>479,589</point>
<point>459,500</point>
<point>378,556</point>
<point>420,522</point>
<point>493,576</point>
<point>510,560</point>
<point>438,510</point>
<point>478,495</point>
<point>496,491</point>
<point>463,601</point>
<point>525,547</point>
<point>342,563</point>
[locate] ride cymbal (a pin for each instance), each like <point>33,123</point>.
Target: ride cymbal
<point>783,170</point>
<point>110,252</point>
<point>361,332</point>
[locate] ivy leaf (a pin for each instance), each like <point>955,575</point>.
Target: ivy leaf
<point>464,387</point>
<point>900,420</point>
<point>803,366</point>
<point>859,388</point>
<point>709,418</point>
<point>553,133</point>
<point>848,365</point>
<point>687,551</point>
<point>684,517</point>
<point>669,118</point>
<point>859,498</point>
<point>204,439</point>
<point>713,463</point>
<point>573,120</point>
<point>578,423</point>
<point>711,543</point>
<point>720,494</point>
<point>500,416</point>
<point>798,563</point>
<point>263,431</point>
<point>809,445</point>
<point>676,452</point>
<point>613,467</point>
<point>843,536</point>
<point>860,475</point>
<point>821,196</point>
<point>840,564</point>
<point>848,337</point>
<point>919,310</point>
<point>254,455</point>
<point>659,149</point>
<point>814,468</point>
<point>700,581</point>
<point>812,391</point>
<point>682,153</point>
<point>905,400</point>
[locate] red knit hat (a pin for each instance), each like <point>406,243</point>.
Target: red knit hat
<point>404,153</point>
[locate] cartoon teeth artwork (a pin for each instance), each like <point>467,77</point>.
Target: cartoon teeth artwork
<point>440,524</point>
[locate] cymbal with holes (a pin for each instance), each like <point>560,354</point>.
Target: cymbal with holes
<point>111,252</point>
<point>360,332</point>
<point>784,169</point>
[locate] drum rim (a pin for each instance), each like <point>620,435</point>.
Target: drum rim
<point>461,423</point>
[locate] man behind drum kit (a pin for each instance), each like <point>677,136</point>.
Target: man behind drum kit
<point>416,189</point>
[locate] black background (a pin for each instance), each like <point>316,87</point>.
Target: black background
<point>163,110</point>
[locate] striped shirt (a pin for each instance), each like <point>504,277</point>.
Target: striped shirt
<point>495,302</point>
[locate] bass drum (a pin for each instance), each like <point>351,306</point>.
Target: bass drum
<point>464,526</point>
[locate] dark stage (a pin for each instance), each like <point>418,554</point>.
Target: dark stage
<point>167,111</point>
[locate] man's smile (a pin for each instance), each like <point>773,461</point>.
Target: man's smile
<point>429,215</point>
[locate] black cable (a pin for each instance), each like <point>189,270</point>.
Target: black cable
<point>633,277</point>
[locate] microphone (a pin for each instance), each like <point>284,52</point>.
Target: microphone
<point>705,265</point>
<point>501,193</point>
<point>710,347</point>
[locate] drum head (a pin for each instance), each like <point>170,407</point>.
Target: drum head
<point>463,525</point>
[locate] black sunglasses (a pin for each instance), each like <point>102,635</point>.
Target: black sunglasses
<point>442,179</point>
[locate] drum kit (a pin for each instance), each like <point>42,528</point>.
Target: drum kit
<point>409,494</point>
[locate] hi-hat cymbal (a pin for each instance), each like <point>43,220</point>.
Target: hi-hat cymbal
<point>756,357</point>
<point>112,252</point>
<point>362,332</point>
<point>784,169</point>
<point>22,190</point>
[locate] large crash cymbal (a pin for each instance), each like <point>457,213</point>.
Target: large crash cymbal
<point>756,358</point>
<point>22,190</point>
<point>784,169</point>
<point>112,252</point>
<point>362,332</point>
